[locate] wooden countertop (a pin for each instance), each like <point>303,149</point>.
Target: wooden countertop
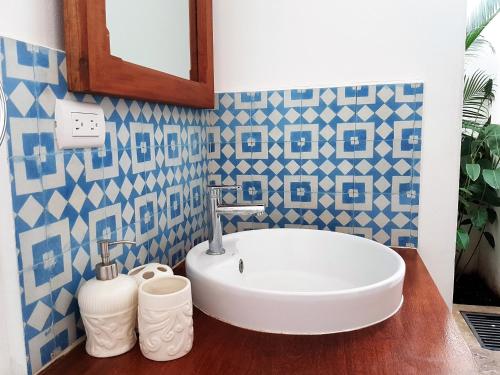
<point>420,339</point>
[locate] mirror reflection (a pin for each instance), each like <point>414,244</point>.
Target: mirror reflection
<point>151,33</point>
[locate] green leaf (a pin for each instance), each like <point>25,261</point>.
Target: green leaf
<point>473,171</point>
<point>471,38</point>
<point>481,16</point>
<point>488,90</point>
<point>463,239</point>
<point>491,240</point>
<point>464,201</point>
<point>476,188</point>
<point>492,215</point>
<point>464,161</point>
<point>466,124</point>
<point>492,130</point>
<point>477,97</point>
<point>465,191</point>
<point>478,46</point>
<point>485,164</point>
<point>490,197</point>
<point>493,139</point>
<point>492,177</point>
<point>466,148</point>
<point>466,222</point>
<point>479,218</point>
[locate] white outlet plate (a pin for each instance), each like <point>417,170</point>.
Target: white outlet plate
<point>79,125</point>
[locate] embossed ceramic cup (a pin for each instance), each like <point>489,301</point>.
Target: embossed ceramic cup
<point>165,318</point>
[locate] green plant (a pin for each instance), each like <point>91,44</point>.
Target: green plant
<point>480,151</point>
<point>479,180</point>
<point>477,22</point>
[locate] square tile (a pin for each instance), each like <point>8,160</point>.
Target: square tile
<point>278,212</point>
<point>386,163</point>
<point>325,216</point>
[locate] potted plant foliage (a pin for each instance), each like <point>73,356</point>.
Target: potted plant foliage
<point>480,150</point>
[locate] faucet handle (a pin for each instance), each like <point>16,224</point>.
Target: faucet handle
<point>215,189</point>
<point>224,187</point>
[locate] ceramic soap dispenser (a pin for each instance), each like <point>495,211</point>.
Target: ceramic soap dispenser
<point>108,306</point>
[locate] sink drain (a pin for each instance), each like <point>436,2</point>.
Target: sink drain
<point>241,266</point>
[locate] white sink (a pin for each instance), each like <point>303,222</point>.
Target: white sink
<point>297,281</point>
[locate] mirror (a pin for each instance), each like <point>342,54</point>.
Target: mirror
<point>156,50</point>
<point>151,33</point>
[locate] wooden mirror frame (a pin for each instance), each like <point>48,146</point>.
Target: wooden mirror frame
<point>92,68</point>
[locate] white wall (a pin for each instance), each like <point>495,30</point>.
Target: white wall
<point>34,21</point>
<point>275,44</point>
<point>38,22</point>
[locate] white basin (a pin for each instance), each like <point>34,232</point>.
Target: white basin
<point>297,281</point>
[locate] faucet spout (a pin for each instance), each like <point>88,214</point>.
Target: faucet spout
<point>217,208</point>
<point>241,209</point>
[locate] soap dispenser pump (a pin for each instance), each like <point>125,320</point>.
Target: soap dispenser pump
<point>108,306</point>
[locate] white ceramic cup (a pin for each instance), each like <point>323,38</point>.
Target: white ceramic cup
<point>150,271</point>
<point>165,318</point>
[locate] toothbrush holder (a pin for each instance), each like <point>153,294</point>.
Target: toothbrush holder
<point>150,271</point>
<point>165,318</point>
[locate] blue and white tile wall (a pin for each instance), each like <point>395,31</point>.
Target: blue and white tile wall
<point>146,183</point>
<point>342,159</point>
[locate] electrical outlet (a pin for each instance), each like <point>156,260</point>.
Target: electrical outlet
<point>79,125</point>
<point>85,124</point>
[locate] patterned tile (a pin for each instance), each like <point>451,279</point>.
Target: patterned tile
<point>65,201</point>
<point>333,211</point>
<point>341,158</point>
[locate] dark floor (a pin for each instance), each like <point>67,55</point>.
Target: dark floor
<point>472,290</point>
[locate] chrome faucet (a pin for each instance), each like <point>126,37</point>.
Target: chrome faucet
<point>216,208</point>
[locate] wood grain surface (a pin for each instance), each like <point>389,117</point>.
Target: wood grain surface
<point>420,339</point>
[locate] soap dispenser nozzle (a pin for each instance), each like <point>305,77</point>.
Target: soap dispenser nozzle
<point>107,270</point>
